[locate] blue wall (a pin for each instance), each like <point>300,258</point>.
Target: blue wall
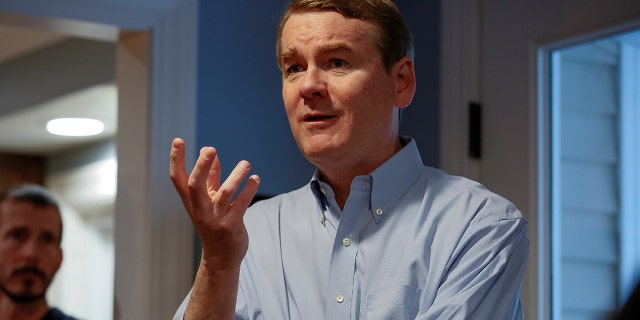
<point>421,119</point>
<point>240,109</point>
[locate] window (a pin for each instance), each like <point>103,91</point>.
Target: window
<point>595,176</point>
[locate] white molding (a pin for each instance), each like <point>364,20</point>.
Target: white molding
<point>134,14</point>
<point>173,115</point>
<point>159,245</point>
<point>74,28</point>
<point>459,84</point>
<point>133,226</point>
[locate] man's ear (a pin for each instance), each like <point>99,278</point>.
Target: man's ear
<point>59,260</point>
<point>405,78</point>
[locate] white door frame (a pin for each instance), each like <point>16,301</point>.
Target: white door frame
<point>153,235</point>
<point>462,81</point>
<point>459,83</point>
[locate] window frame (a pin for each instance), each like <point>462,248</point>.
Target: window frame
<point>629,164</point>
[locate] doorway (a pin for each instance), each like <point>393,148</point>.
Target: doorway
<point>153,236</point>
<point>44,76</point>
<point>496,53</point>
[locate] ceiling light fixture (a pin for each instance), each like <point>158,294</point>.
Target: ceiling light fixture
<point>75,127</point>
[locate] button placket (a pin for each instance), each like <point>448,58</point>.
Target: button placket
<point>342,272</point>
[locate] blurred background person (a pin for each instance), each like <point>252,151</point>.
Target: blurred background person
<point>30,252</point>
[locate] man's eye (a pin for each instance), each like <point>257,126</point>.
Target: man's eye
<point>18,235</point>
<point>338,63</point>
<point>294,68</point>
<point>48,238</point>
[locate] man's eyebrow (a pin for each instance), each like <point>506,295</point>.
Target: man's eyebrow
<point>333,47</point>
<point>15,228</point>
<point>288,54</point>
<point>52,234</point>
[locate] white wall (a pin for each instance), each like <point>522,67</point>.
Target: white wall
<point>83,286</point>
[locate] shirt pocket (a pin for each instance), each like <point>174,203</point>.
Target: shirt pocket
<point>393,303</point>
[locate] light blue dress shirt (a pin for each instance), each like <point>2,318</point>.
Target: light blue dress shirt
<point>411,243</point>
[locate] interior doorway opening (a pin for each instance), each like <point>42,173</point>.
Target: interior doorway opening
<point>48,74</point>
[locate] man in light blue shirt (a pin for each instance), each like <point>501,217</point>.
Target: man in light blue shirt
<point>375,234</point>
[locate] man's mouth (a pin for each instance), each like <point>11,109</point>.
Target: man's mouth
<point>316,118</point>
<point>29,270</point>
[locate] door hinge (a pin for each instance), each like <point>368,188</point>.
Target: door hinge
<point>475,130</point>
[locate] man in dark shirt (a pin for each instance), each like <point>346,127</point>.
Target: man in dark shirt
<point>30,252</point>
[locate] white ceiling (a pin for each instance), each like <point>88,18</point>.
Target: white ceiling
<point>19,41</point>
<point>23,131</point>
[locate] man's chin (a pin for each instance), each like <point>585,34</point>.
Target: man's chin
<point>26,298</point>
<point>320,146</point>
<point>23,296</point>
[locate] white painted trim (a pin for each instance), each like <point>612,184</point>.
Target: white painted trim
<point>159,247</point>
<point>134,15</point>
<point>459,84</point>
<point>73,28</point>
<point>173,115</point>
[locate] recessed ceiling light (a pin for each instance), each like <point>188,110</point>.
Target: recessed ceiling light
<point>75,127</point>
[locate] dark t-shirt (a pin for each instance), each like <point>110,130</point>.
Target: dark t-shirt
<point>56,314</point>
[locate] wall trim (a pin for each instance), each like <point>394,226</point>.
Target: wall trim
<point>459,79</point>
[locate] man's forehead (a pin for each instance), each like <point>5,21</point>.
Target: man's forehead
<point>326,31</point>
<point>325,25</point>
<point>24,212</point>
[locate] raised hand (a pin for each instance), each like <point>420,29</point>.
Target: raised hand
<point>216,215</point>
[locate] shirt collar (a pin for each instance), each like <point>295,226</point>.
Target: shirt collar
<point>392,179</point>
<point>389,181</point>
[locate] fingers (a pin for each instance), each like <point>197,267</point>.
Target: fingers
<point>177,171</point>
<point>224,197</point>
<point>246,195</point>
<point>201,191</point>
<point>213,179</point>
<point>218,218</point>
<point>203,173</point>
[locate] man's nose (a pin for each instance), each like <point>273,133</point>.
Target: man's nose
<point>314,83</point>
<point>30,249</point>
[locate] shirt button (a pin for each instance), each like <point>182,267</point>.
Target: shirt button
<point>346,242</point>
<point>379,212</point>
<point>324,191</point>
<point>340,298</point>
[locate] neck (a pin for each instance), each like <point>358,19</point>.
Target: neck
<point>340,175</point>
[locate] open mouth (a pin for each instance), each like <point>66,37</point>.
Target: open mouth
<point>316,118</point>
